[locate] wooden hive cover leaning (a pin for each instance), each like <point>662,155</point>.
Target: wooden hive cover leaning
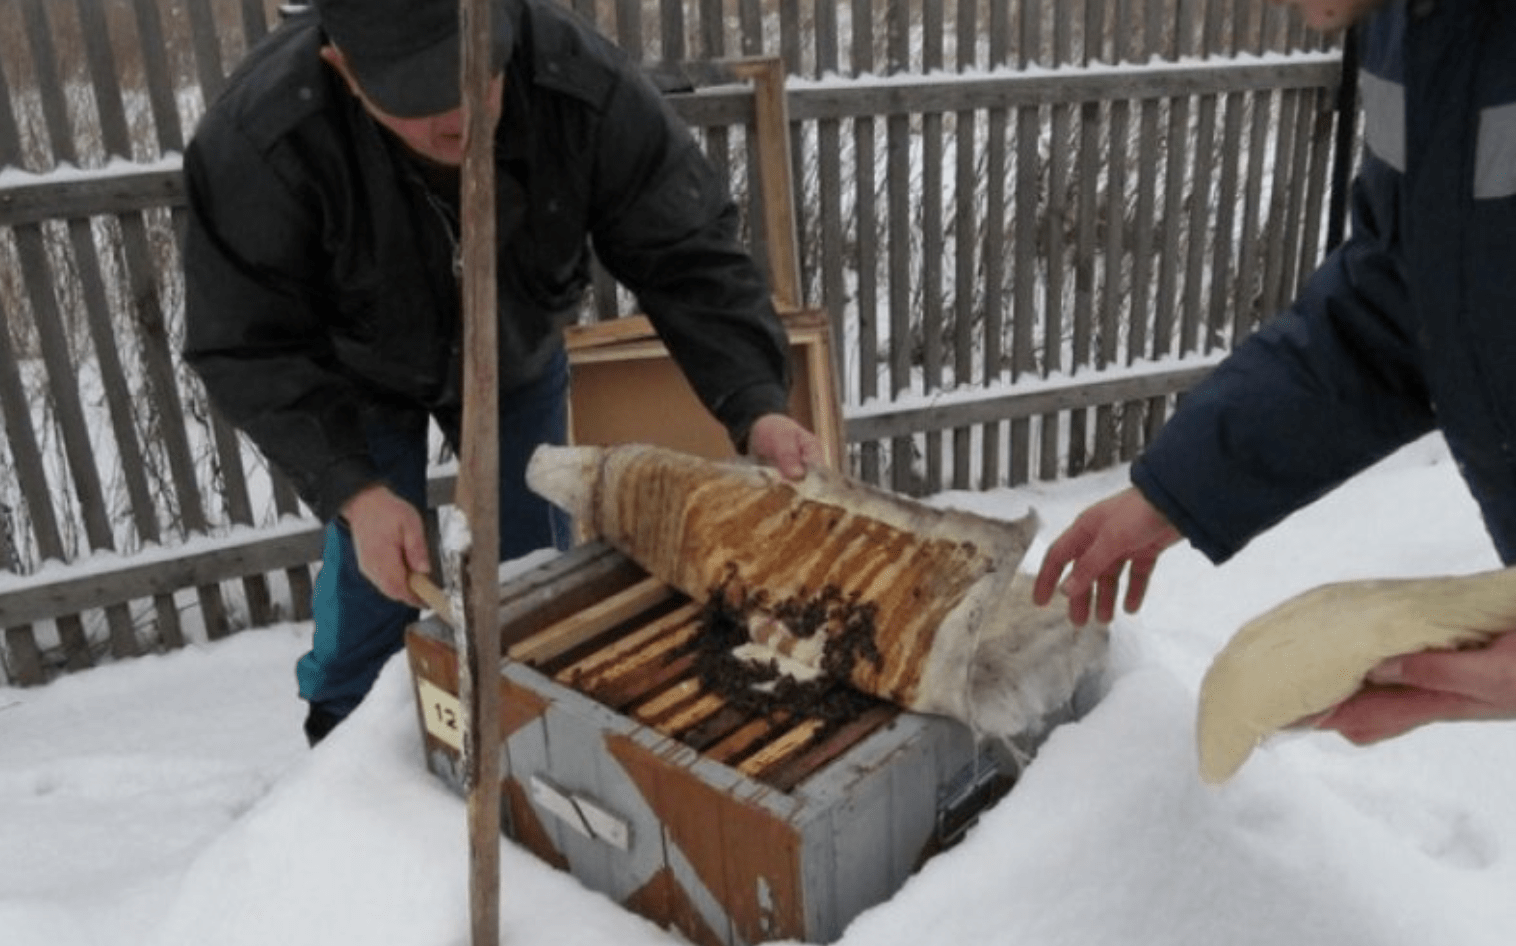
<point>953,627</point>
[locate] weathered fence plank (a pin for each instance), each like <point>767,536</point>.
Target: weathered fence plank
<point>158,78</point>
<point>965,217</point>
<point>116,138</point>
<point>25,664</point>
<point>1025,318</point>
<point>827,194</point>
<point>1322,151</point>
<point>1246,312</point>
<point>992,334</point>
<point>1142,329</point>
<point>33,199</point>
<point>878,421</point>
<point>167,404</point>
<point>933,243</point>
<point>206,47</point>
<point>1275,213</point>
<point>1055,245</point>
<point>671,31</point>
<point>866,261</point>
<point>225,558</point>
<point>40,272</point>
<point>629,27</point>
<point>898,170</point>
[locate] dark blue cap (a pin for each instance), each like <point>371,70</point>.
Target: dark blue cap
<point>404,54</point>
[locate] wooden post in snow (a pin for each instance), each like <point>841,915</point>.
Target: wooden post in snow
<point>479,479</point>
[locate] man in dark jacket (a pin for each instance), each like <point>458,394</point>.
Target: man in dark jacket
<point>323,302</point>
<point>1408,327</point>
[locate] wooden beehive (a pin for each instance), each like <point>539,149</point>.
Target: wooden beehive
<point>730,826</point>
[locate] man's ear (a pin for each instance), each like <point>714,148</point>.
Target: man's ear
<point>333,57</point>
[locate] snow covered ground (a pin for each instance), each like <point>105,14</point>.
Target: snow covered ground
<point>171,799</point>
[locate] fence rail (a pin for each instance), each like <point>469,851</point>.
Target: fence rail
<point>1033,225</point>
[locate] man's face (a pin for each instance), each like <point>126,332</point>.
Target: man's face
<point>1331,14</point>
<point>436,137</point>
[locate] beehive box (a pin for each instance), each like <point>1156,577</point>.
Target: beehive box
<point>729,826</point>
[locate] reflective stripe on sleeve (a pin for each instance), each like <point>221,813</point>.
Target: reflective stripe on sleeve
<point>1384,119</point>
<point>1495,159</point>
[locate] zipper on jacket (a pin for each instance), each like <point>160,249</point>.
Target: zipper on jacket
<point>449,371</point>
<point>449,226</point>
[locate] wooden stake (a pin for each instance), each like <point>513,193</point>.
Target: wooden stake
<point>479,479</point>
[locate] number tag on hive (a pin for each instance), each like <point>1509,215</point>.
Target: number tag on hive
<point>442,713</point>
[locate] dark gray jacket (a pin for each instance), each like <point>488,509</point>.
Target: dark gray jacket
<point>1409,326</point>
<point>319,267</point>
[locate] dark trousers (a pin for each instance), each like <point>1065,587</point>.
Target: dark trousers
<point>357,629</point>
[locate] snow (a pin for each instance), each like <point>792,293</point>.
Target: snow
<point>1052,382</point>
<point>116,168</point>
<point>171,799</point>
<point>101,562</point>
<point>1095,69</point>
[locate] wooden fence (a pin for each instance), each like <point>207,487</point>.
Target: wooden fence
<point>1033,224</point>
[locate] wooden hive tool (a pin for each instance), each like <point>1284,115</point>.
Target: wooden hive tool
<point>920,606</point>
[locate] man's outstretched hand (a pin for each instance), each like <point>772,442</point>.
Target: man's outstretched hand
<point>1124,533</point>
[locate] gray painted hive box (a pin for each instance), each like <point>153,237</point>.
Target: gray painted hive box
<point>729,826</point>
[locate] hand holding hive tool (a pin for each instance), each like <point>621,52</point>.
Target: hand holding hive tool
<point>1315,650</point>
<point>919,606</point>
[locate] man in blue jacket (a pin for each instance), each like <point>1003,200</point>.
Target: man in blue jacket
<point>1408,327</point>
<point>322,283</point>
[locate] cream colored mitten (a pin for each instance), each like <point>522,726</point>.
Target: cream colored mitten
<point>1312,652</point>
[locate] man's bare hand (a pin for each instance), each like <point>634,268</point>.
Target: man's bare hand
<point>390,540</point>
<point>1124,533</point>
<point>1405,692</point>
<point>780,441</point>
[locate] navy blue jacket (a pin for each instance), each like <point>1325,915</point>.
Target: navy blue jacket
<point>1410,325</point>
<point>319,265</point>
